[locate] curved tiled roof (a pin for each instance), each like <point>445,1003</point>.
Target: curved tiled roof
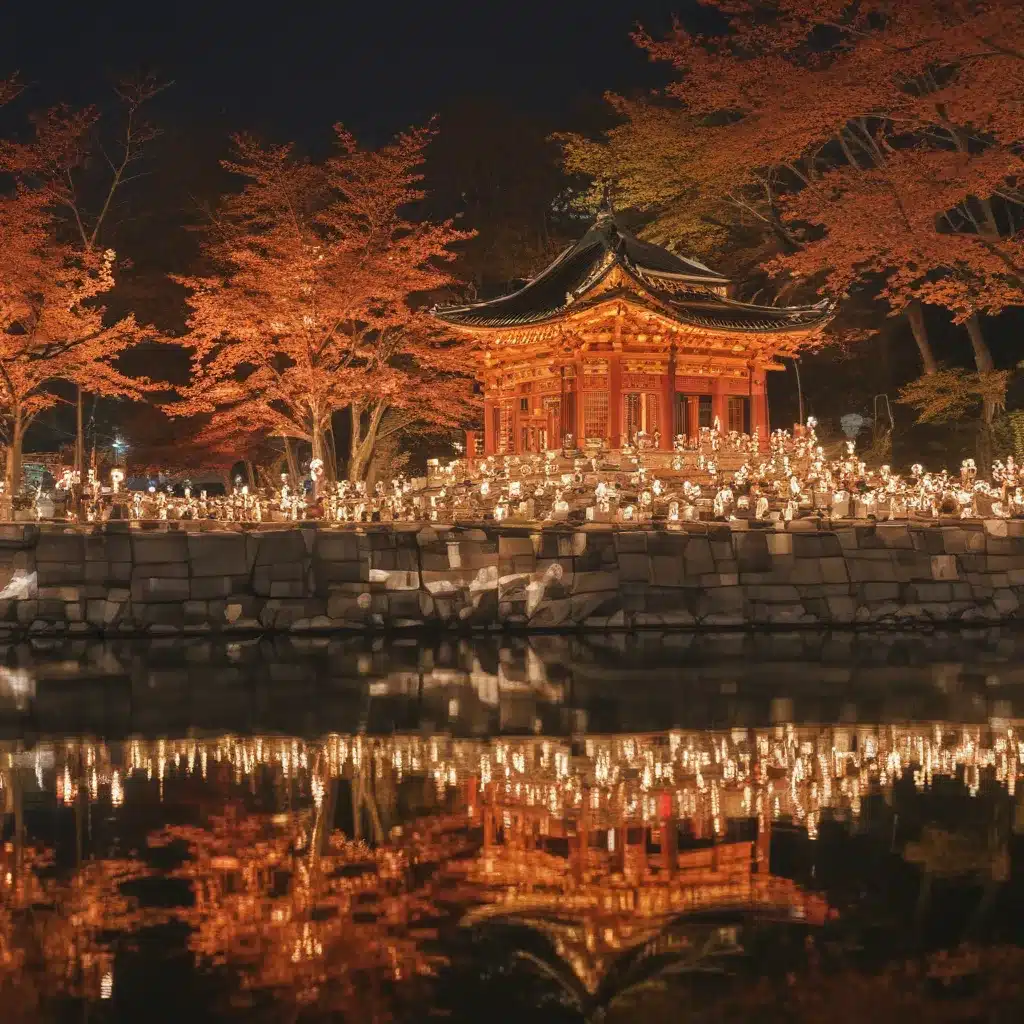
<point>684,289</point>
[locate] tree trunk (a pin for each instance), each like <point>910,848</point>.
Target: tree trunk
<point>293,465</point>
<point>330,455</point>
<point>251,474</point>
<point>79,452</point>
<point>317,441</point>
<point>14,459</point>
<point>359,460</point>
<point>915,314</point>
<point>985,364</point>
<point>363,440</point>
<point>982,355</point>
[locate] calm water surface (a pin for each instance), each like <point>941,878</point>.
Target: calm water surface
<point>546,829</point>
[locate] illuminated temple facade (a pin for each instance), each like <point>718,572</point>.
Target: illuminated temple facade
<point>620,341</point>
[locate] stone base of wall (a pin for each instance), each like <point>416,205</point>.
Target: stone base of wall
<point>191,578</point>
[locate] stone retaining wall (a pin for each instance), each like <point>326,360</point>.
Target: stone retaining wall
<point>169,578</point>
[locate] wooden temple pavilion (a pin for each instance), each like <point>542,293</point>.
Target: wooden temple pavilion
<point>620,340</point>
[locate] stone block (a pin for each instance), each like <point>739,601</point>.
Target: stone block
<point>155,547</point>
<point>205,588</point>
<point>876,590</point>
<point>401,579</point>
<point>631,541</point>
<point>96,572</point>
<point>550,614</point>
<point>752,552</point>
<point>169,616</point>
<point>165,570</point>
<point>779,542</point>
<point>872,571</point>
<point>121,572</point>
<point>937,592</point>
<point>217,554</point>
<point>806,571</point>
<point>721,599</point>
<point>954,540</point>
<point>665,570</point>
<point>56,574</point>
<point>774,594</point>
<point>833,570</point>
<point>634,567</point>
<point>159,589</point>
<point>778,614</point>
<point>698,557</point>
<point>721,550</point>
<point>293,589</point>
<point>68,593</point>
<point>510,546</point>
<point>279,547</point>
<point>597,581</point>
<point>667,545</point>
<point>841,609</point>
<point>895,535</point>
<point>975,540</point>
<point>944,567</point>
<point>26,610</point>
<point>60,547</point>
<point>816,545</point>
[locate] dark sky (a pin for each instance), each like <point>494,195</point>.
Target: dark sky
<point>290,69</point>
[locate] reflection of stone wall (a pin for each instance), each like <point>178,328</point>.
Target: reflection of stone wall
<point>199,577</point>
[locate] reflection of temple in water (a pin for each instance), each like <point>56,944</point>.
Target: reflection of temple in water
<point>704,778</point>
<point>310,860</point>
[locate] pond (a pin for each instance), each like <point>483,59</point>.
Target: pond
<point>553,828</point>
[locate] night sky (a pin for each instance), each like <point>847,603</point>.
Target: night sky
<point>290,70</point>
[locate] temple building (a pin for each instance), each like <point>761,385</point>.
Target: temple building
<point>620,341</point>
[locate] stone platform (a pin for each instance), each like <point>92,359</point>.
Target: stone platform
<point>195,577</point>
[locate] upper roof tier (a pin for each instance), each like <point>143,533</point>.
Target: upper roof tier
<point>683,289</point>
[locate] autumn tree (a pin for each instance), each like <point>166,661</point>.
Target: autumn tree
<point>848,146</point>
<point>317,302</point>
<point>53,324</point>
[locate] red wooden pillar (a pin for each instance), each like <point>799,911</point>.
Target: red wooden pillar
<point>719,404</point>
<point>668,416</point>
<point>669,833</point>
<point>490,441</point>
<point>472,446</point>
<point>693,417</point>
<point>516,415</point>
<point>563,400</point>
<point>580,423</point>
<point>759,407</point>
<point>615,401</point>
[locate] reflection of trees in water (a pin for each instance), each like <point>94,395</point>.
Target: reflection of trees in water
<point>319,921</point>
<point>565,852</point>
<point>58,930</point>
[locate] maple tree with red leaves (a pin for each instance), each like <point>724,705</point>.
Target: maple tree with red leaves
<point>53,324</point>
<point>318,302</point>
<point>867,147</point>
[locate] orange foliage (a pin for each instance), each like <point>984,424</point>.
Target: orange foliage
<point>860,140</point>
<point>317,301</point>
<point>53,326</point>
